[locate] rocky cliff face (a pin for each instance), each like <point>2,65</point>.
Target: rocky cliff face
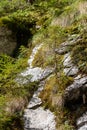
<point>7,41</point>
<point>75,95</point>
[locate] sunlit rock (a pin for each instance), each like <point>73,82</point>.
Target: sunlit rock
<point>82,122</point>
<point>77,89</point>
<point>69,68</point>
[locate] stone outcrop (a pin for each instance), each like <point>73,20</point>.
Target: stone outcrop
<point>75,95</point>
<point>65,46</point>
<point>76,90</point>
<point>7,41</point>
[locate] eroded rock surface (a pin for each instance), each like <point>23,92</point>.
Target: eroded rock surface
<point>34,73</point>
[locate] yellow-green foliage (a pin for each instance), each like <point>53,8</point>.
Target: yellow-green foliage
<point>44,57</point>
<point>52,98</point>
<point>8,7</point>
<point>63,82</point>
<point>51,38</point>
<point>55,85</point>
<point>11,92</point>
<point>46,94</point>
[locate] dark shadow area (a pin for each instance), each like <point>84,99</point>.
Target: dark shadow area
<point>76,109</point>
<point>22,39</point>
<point>74,104</point>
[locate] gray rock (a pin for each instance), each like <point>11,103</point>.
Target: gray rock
<point>71,71</point>
<point>64,47</point>
<point>34,74</point>
<point>35,100</point>
<point>37,74</point>
<point>67,60</point>
<point>34,52</point>
<point>39,119</point>
<point>69,68</point>
<point>82,122</point>
<point>77,89</point>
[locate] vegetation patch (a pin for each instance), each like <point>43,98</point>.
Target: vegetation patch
<point>52,97</point>
<point>79,53</point>
<point>13,95</point>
